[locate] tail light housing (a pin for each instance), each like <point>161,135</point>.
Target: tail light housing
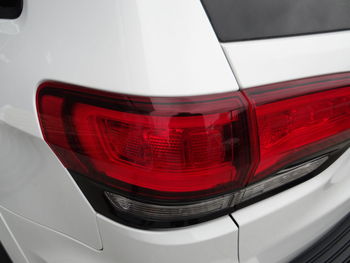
<point>162,162</point>
<point>298,119</point>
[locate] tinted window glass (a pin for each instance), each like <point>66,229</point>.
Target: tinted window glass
<point>10,9</point>
<point>253,19</point>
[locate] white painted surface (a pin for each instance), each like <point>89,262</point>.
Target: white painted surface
<point>150,48</point>
<point>210,242</point>
<point>279,228</point>
<point>267,61</point>
<point>155,47</point>
<point>10,243</point>
<point>35,185</point>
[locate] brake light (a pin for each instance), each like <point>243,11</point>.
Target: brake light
<point>298,119</point>
<point>164,162</point>
<point>178,148</point>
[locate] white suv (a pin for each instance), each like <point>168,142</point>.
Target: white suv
<point>165,131</point>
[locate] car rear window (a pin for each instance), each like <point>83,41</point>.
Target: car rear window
<point>235,20</point>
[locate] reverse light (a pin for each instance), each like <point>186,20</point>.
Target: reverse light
<point>164,162</point>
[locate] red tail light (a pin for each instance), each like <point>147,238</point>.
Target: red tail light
<point>298,119</point>
<point>174,147</point>
<point>166,160</point>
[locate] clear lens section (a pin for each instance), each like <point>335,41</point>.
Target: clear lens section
<point>200,209</point>
<point>281,178</point>
<point>166,213</point>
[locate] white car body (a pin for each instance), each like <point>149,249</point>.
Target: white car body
<point>151,48</point>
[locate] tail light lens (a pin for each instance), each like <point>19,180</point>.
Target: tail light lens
<point>167,149</point>
<point>164,162</point>
<point>298,119</point>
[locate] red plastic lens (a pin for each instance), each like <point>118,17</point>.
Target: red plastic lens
<point>298,119</point>
<point>200,154</point>
<point>172,146</point>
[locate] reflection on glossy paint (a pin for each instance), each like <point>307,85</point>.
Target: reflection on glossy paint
<point>20,119</point>
<point>9,27</point>
<point>18,154</point>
